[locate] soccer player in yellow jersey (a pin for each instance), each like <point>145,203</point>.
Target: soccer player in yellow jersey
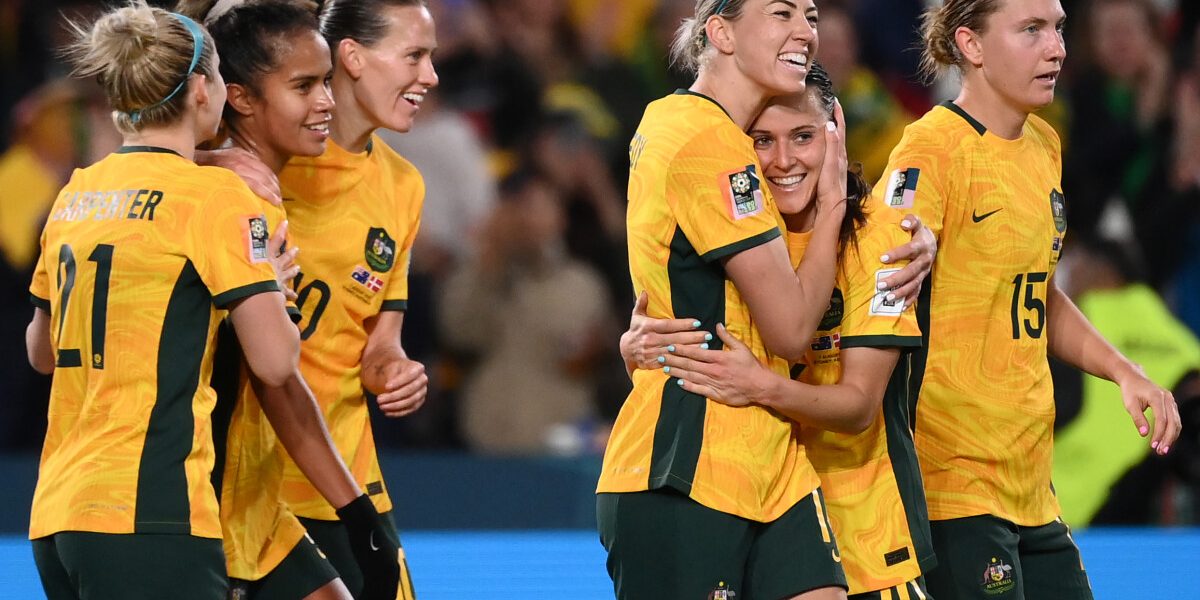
<point>139,253</point>
<point>984,174</point>
<point>276,70</point>
<point>863,455</point>
<point>353,212</point>
<point>697,499</point>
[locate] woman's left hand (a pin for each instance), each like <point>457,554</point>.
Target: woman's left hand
<point>1138,393</point>
<point>920,252</point>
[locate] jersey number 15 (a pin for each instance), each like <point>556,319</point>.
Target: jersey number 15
<point>1031,303</point>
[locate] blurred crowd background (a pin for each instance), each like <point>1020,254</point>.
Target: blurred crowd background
<point>520,285</point>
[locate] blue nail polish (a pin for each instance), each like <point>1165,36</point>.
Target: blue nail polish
<point>696,324</point>
<point>708,337</point>
<point>662,359</point>
<point>704,346</point>
<point>666,369</point>
<point>671,348</point>
<point>680,382</point>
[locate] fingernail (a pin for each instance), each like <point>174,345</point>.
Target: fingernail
<point>881,285</point>
<point>666,369</point>
<point>662,359</point>
<point>708,337</point>
<point>680,382</point>
<point>891,297</point>
<point>670,348</point>
<point>1143,430</point>
<point>704,346</point>
<point>695,324</point>
<point>906,223</point>
<point>1154,445</point>
<point>1166,449</point>
<point>885,258</point>
<point>831,126</point>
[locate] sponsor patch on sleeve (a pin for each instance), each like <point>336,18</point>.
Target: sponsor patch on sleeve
<point>880,305</point>
<point>256,239</point>
<point>902,187</point>
<point>743,191</point>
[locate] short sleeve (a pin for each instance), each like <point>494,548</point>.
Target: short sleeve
<point>229,246</point>
<point>869,319</point>
<point>39,288</point>
<point>718,197</point>
<point>409,222</point>
<point>915,178</point>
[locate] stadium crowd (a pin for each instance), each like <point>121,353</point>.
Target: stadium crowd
<point>520,286</point>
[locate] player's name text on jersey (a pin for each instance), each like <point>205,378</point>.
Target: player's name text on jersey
<point>108,205</point>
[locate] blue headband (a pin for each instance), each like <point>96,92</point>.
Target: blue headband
<point>197,48</point>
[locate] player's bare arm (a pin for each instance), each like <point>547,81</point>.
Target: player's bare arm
<point>37,342</point>
<point>271,345</point>
<point>398,382</point>
<point>1074,340</point>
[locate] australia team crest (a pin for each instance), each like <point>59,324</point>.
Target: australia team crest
<point>380,251</point>
<point>1058,207</point>
<point>722,592</point>
<point>998,577</point>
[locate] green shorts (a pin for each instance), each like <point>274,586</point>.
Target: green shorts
<point>909,590</point>
<point>989,558</point>
<point>334,542</point>
<point>303,571</point>
<point>82,565</point>
<point>664,545</point>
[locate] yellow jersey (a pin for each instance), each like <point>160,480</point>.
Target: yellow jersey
<point>258,529</point>
<point>871,480</point>
<point>139,252</point>
<point>985,410</point>
<point>354,217</point>
<point>695,197</point>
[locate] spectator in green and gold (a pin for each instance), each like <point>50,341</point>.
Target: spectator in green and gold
<point>1101,278</point>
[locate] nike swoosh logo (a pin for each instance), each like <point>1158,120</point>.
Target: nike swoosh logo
<point>374,548</point>
<point>978,217</point>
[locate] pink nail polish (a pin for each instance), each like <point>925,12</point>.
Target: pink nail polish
<point>1143,430</point>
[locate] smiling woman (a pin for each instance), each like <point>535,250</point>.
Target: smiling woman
<point>726,493</point>
<point>355,210</point>
<point>985,175</point>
